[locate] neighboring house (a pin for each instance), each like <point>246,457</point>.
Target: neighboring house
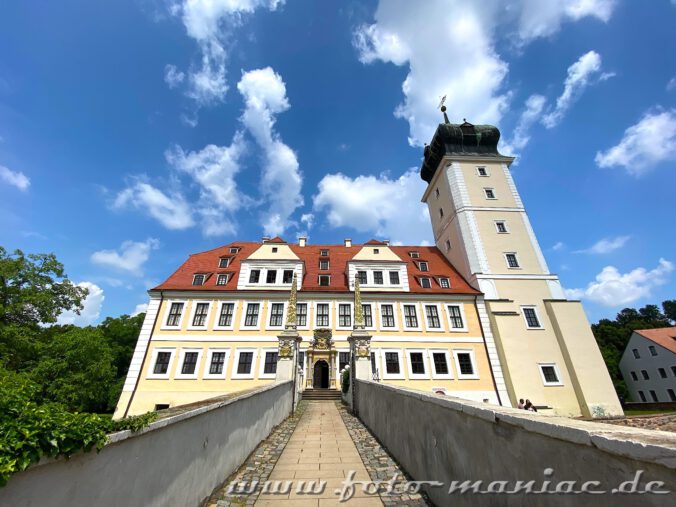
<point>648,365</point>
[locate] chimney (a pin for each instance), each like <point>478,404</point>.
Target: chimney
<point>265,239</point>
<point>302,240</point>
<point>348,242</point>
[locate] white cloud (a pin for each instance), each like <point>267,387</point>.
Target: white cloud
<point>612,288</point>
<point>606,245</point>
<point>388,208</point>
<point>140,308</point>
<point>450,49</point>
<point>584,72</point>
<point>210,23</point>
<point>308,219</point>
<point>671,85</point>
<point>213,168</point>
<point>647,143</point>
<point>558,246</point>
<point>172,76</point>
<point>172,211</point>
<point>14,178</point>
<point>264,94</point>
<point>91,307</point>
<point>521,136</point>
<point>131,256</point>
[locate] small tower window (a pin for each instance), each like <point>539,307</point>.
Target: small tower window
<point>482,171</point>
<point>376,250</point>
<point>441,213</point>
<point>274,249</point>
<point>501,227</point>
<point>512,261</point>
<point>436,193</point>
<point>448,245</point>
<point>490,193</point>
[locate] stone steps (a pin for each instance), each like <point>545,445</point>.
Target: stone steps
<point>321,394</point>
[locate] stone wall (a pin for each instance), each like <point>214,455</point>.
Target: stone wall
<point>175,461</point>
<point>446,439</point>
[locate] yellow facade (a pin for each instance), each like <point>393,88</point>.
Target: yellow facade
<point>150,391</point>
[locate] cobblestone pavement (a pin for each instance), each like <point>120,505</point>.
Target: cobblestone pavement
<point>258,466</point>
<point>379,465</point>
<point>655,422</point>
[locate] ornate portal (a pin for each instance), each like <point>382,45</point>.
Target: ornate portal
<point>322,339</point>
<point>321,357</point>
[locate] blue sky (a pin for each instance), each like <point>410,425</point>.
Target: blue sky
<point>134,133</point>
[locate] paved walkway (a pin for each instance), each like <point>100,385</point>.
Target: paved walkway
<point>309,459</point>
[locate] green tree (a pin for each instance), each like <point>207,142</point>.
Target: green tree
<point>34,290</point>
<point>669,308</point>
<point>76,368</point>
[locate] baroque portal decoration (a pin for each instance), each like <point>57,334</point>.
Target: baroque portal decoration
<point>322,339</point>
<point>286,348</point>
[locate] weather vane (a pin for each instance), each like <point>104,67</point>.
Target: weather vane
<point>443,108</point>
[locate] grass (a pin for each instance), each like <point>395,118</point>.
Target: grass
<point>649,412</point>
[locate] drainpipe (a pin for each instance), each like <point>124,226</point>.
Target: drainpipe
<point>145,355</point>
<point>483,338</point>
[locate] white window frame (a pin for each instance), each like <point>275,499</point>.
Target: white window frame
<point>351,305</point>
<point>319,278</point>
<point>153,360</point>
<point>392,376</point>
<point>417,315</point>
<point>165,318</point>
<point>268,315</point>
<point>245,305</point>
<point>337,365</point>
<point>413,254</point>
<point>261,366</point>
<point>448,282</point>
<point>322,261</point>
<point>207,365</point>
<point>433,368</point>
<point>217,317</point>
<point>184,350</point>
<point>218,277</point>
<point>427,265</point>
<point>440,313</point>
<point>417,376</point>
<point>428,278</point>
<point>556,370</point>
<point>475,368</point>
<point>488,172</point>
<point>537,315</point>
<point>227,264</point>
<point>307,316</point>
<point>452,329</point>
<point>234,250</point>
<point>504,223</point>
<point>518,262</point>
<point>235,363</point>
<point>314,314</point>
<point>204,281</point>
<point>193,309</point>
<point>373,316</point>
<point>486,193</point>
<point>395,314</point>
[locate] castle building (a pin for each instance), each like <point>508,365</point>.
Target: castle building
<point>478,316</point>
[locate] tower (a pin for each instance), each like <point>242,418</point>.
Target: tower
<point>544,342</point>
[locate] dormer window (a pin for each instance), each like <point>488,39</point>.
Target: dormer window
<point>444,283</point>
<point>287,276</point>
<point>198,279</point>
<point>323,265</point>
<point>221,279</point>
<point>414,255</point>
<point>224,262</point>
<point>274,249</point>
<point>423,266</point>
<point>324,280</point>
<point>234,249</point>
<point>425,283</point>
<point>324,253</point>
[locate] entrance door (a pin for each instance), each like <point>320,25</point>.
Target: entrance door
<point>321,375</point>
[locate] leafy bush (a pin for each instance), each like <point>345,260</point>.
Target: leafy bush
<point>345,381</point>
<point>30,430</point>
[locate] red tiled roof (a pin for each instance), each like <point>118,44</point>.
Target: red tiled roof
<point>339,255</point>
<point>664,336</point>
<point>375,242</point>
<point>276,239</point>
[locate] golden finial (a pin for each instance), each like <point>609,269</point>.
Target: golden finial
<point>358,309</point>
<point>291,310</point>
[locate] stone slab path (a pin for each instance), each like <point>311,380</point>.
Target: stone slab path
<point>309,459</point>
